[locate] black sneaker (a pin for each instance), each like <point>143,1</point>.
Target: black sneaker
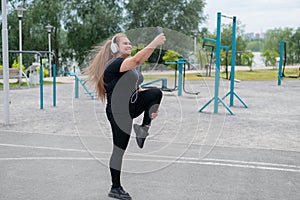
<point>119,193</point>
<point>141,134</point>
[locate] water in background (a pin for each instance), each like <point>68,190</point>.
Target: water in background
<point>258,60</point>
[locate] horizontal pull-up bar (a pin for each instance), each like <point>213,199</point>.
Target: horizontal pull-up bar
<point>42,75</point>
<point>227,17</point>
<point>32,52</point>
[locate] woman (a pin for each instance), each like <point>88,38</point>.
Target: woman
<point>114,75</point>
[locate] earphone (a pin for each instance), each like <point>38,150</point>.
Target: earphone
<point>113,46</point>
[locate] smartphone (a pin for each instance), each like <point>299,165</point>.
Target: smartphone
<point>159,30</point>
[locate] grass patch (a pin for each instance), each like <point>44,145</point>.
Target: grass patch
<point>254,75</point>
<point>263,74</point>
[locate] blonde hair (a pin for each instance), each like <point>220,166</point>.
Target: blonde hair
<point>96,68</point>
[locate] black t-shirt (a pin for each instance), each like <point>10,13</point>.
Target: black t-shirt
<point>120,86</point>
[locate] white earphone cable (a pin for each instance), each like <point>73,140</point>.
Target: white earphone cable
<point>134,96</point>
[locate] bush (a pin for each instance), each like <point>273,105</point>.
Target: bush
<point>16,64</point>
<point>247,59</point>
<point>171,56</point>
<point>270,57</point>
<point>45,71</point>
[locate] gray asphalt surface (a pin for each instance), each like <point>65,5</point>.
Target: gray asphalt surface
<point>62,152</point>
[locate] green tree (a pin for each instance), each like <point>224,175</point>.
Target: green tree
<point>226,37</point>
<point>295,47</point>
<point>90,22</point>
<point>247,59</point>
<point>254,45</point>
<point>180,15</point>
<point>269,57</point>
<point>37,15</point>
<point>42,14</point>
<point>290,36</point>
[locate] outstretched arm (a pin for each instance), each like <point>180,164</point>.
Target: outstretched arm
<point>142,55</point>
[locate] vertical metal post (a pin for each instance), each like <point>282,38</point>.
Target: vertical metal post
<point>49,47</point>
<point>20,49</point>
<point>41,84</point>
<point>5,63</point>
<point>49,27</point>
<point>180,69</point>
<point>20,11</point>
<point>231,93</point>
<point>233,49</point>
<point>280,62</point>
<point>54,85</point>
<point>218,56</point>
<point>76,87</point>
<point>195,43</point>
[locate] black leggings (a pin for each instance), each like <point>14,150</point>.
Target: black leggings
<point>148,102</point>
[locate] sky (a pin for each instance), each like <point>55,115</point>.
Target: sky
<point>258,16</point>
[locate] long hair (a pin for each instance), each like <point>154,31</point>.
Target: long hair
<point>95,70</point>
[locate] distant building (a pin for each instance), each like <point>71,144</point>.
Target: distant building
<point>257,36</point>
<point>249,36</point>
<point>254,36</point>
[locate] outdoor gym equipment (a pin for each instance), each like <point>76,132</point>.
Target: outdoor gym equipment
<point>216,97</point>
<point>162,80</point>
<point>212,46</point>
<point>163,84</point>
<point>181,62</point>
<point>83,84</point>
<point>178,85</point>
<point>282,63</point>
<point>187,63</point>
<point>210,58</point>
<point>42,74</point>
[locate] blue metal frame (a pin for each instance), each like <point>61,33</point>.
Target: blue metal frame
<point>180,63</point>
<point>280,77</point>
<point>163,80</point>
<point>42,75</point>
<point>82,82</point>
<point>54,84</point>
<point>216,97</point>
<point>231,92</point>
<point>41,86</point>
